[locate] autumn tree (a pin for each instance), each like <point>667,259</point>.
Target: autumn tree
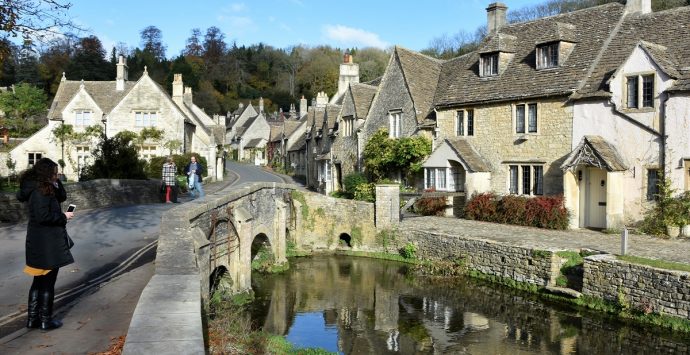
<point>89,62</point>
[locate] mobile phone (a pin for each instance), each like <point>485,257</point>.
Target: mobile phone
<point>71,208</point>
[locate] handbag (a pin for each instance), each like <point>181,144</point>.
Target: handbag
<point>68,240</point>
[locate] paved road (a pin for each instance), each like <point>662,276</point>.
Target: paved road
<point>250,173</point>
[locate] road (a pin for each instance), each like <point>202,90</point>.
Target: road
<point>106,240</point>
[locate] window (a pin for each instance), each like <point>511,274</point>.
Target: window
<point>652,184</point>
<point>526,179</point>
<point>489,64</point>
<point>464,123</point>
<point>530,117</point>
<point>82,118</point>
<point>348,126</point>
<point>436,178</point>
<point>639,91</point>
<point>145,119</point>
<point>148,151</point>
<point>547,56</point>
<point>83,155</point>
<point>34,157</point>
<point>460,123</point>
<point>395,125</point>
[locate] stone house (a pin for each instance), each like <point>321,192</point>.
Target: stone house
<point>347,146</point>
<point>121,105</point>
<point>504,114</point>
<point>631,120</point>
<point>249,133</point>
<point>325,135</point>
<point>403,103</point>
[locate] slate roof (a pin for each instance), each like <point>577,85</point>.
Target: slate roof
<point>291,126</point>
<point>466,152</point>
<point>253,143</point>
<point>362,97</point>
<point>665,36</point>
<point>276,131</point>
<point>298,144</point>
<point>421,76</point>
<point>102,92</point>
<point>605,152</point>
<point>459,82</point>
<point>374,82</point>
<point>332,112</point>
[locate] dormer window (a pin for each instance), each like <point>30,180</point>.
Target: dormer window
<point>489,64</point>
<point>395,124</point>
<point>82,118</point>
<point>639,91</point>
<point>547,56</point>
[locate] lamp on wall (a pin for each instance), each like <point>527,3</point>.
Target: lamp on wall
<point>105,125</point>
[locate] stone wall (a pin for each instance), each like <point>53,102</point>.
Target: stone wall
<point>518,263</point>
<point>642,287</point>
<point>90,194</point>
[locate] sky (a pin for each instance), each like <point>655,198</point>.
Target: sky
<point>284,23</point>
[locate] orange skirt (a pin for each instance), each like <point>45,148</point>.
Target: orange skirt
<point>32,271</point>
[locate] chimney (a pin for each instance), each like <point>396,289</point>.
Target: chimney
<point>349,74</point>
<point>261,104</point>
<point>188,96</point>
<point>321,99</point>
<point>122,74</point>
<point>495,16</point>
<point>302,107</point>
<point>640,7</point>
<point>347,58</point>
<point>177,86</point>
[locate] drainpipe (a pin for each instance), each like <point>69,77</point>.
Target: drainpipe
<point>662,123</point>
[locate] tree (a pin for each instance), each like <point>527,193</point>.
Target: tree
<point>89,62</point>
<point>152,41</point>
<point>63,133</point>
<point>383,155</point>
<point>25,108</point>
<point>173,145</point>
<point>194,46</point>
<point>115,158</point>
<point>36,19</point>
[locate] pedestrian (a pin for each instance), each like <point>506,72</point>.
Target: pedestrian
<point>169,177</point>
<point>47,241</point>
<point>194,170</point>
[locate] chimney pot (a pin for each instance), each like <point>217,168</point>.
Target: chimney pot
<point>495,16</point>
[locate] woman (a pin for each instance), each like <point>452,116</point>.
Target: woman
<point>47,241</point>
<point>169,177</point>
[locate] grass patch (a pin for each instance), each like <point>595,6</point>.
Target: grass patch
<point>660,264</point>
<point>541,254</point>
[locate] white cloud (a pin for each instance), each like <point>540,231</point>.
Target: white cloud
<point>236,7</point>
<point>353,36</point>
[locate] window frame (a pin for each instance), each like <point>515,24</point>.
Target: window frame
<point>522,174</point>
<point>489,61</point>
<point>464,127</point>
<point>36,157</point>
<point>643,91</point>
<point>433,175</point>
<point>547,55</point>
<point>653,174</point>
<point>79,118</point>
<point>146,118</point>
<point>394,124</point>
<point>525,125</point>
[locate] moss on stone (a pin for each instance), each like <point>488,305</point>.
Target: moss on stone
<point>356,234</point>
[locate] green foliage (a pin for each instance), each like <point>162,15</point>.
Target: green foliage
<point>668,210</point>
<point>25,108</point>
<point>357,236</point>
<point>383,155</point>
<point>660,264</point>
<point>431,206</point>
<point>351,181</point>
<point>386,237</point>
<point>409,251</point>
<point>365,192</point>
<point>264,262</point>
<point>115,158</point>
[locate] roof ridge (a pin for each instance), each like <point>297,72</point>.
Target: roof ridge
<point>419,54</point>
<point>611,4</point>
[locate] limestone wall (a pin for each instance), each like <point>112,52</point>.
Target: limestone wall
<point>641,287</point>
<point>90,194</point>
<point>518,263</point>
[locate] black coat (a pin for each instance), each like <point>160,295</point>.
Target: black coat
<point>199,171</point>
<point>46,236</point>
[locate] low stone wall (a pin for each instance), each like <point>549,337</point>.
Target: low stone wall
<point>642,287</point>
<point>90,194</point>
<point>518,263</point>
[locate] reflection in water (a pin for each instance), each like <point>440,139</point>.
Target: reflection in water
<point>366,306</point>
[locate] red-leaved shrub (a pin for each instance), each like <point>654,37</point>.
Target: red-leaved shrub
<point>431,206</point>
<point>543,211</point>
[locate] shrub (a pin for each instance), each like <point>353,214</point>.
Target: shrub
<point>351,181</point>
<point>115,158</point>
<point>481,207</point>
<point>409,251</point>
<point>365,192</point>
<point>431,206</point>
<point>542,211</point>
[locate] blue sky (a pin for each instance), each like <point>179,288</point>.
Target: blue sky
<point>282,23</point>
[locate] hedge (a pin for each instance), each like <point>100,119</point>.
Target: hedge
<point>541,211</point>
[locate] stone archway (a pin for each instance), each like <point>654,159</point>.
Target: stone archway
<point>220,280</point>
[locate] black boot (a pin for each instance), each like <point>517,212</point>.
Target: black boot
<point>32,320</point>
<point>46,311</point>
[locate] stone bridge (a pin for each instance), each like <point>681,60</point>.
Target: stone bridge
<point>203,240</point>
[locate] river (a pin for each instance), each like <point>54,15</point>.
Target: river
<point>354,305</point>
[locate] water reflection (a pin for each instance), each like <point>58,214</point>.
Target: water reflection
<point>366,306</point>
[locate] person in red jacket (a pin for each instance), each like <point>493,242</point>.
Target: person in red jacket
<point>47,242</point>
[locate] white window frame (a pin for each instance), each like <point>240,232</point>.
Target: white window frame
<point>488,65</point>
<point>145,118</point>
<point>33,157</point>
<point>639,95</point>
<point>464,123</point>
<point>395,124</point>
<point>527,126</point>
<point>436,178</point>
<point>547,55</point>
<point>82,117</point>
<point>83,153</point>
<point>534,178</point>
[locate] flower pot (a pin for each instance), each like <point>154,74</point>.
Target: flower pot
<point>685,230</point>
<point>672,231</point>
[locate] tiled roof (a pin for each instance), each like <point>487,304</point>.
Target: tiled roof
<point>460,83</point>
<point>298,144</point>
<point>421,76</point>
<point>291,126</point>
<point>332,112</point>
<point>597,151</point>
<point>499,42</point>
<point>466,152</point>
<point>665,36</point>
<point>362,96</point>
<point>253,143</point>
<point>374,82</point>
<point>276,131</point>
<point>102,92</point>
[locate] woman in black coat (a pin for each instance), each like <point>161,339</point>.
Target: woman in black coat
<point>47,241</point>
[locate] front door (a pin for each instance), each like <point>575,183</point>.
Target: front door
<point>596,198</point>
